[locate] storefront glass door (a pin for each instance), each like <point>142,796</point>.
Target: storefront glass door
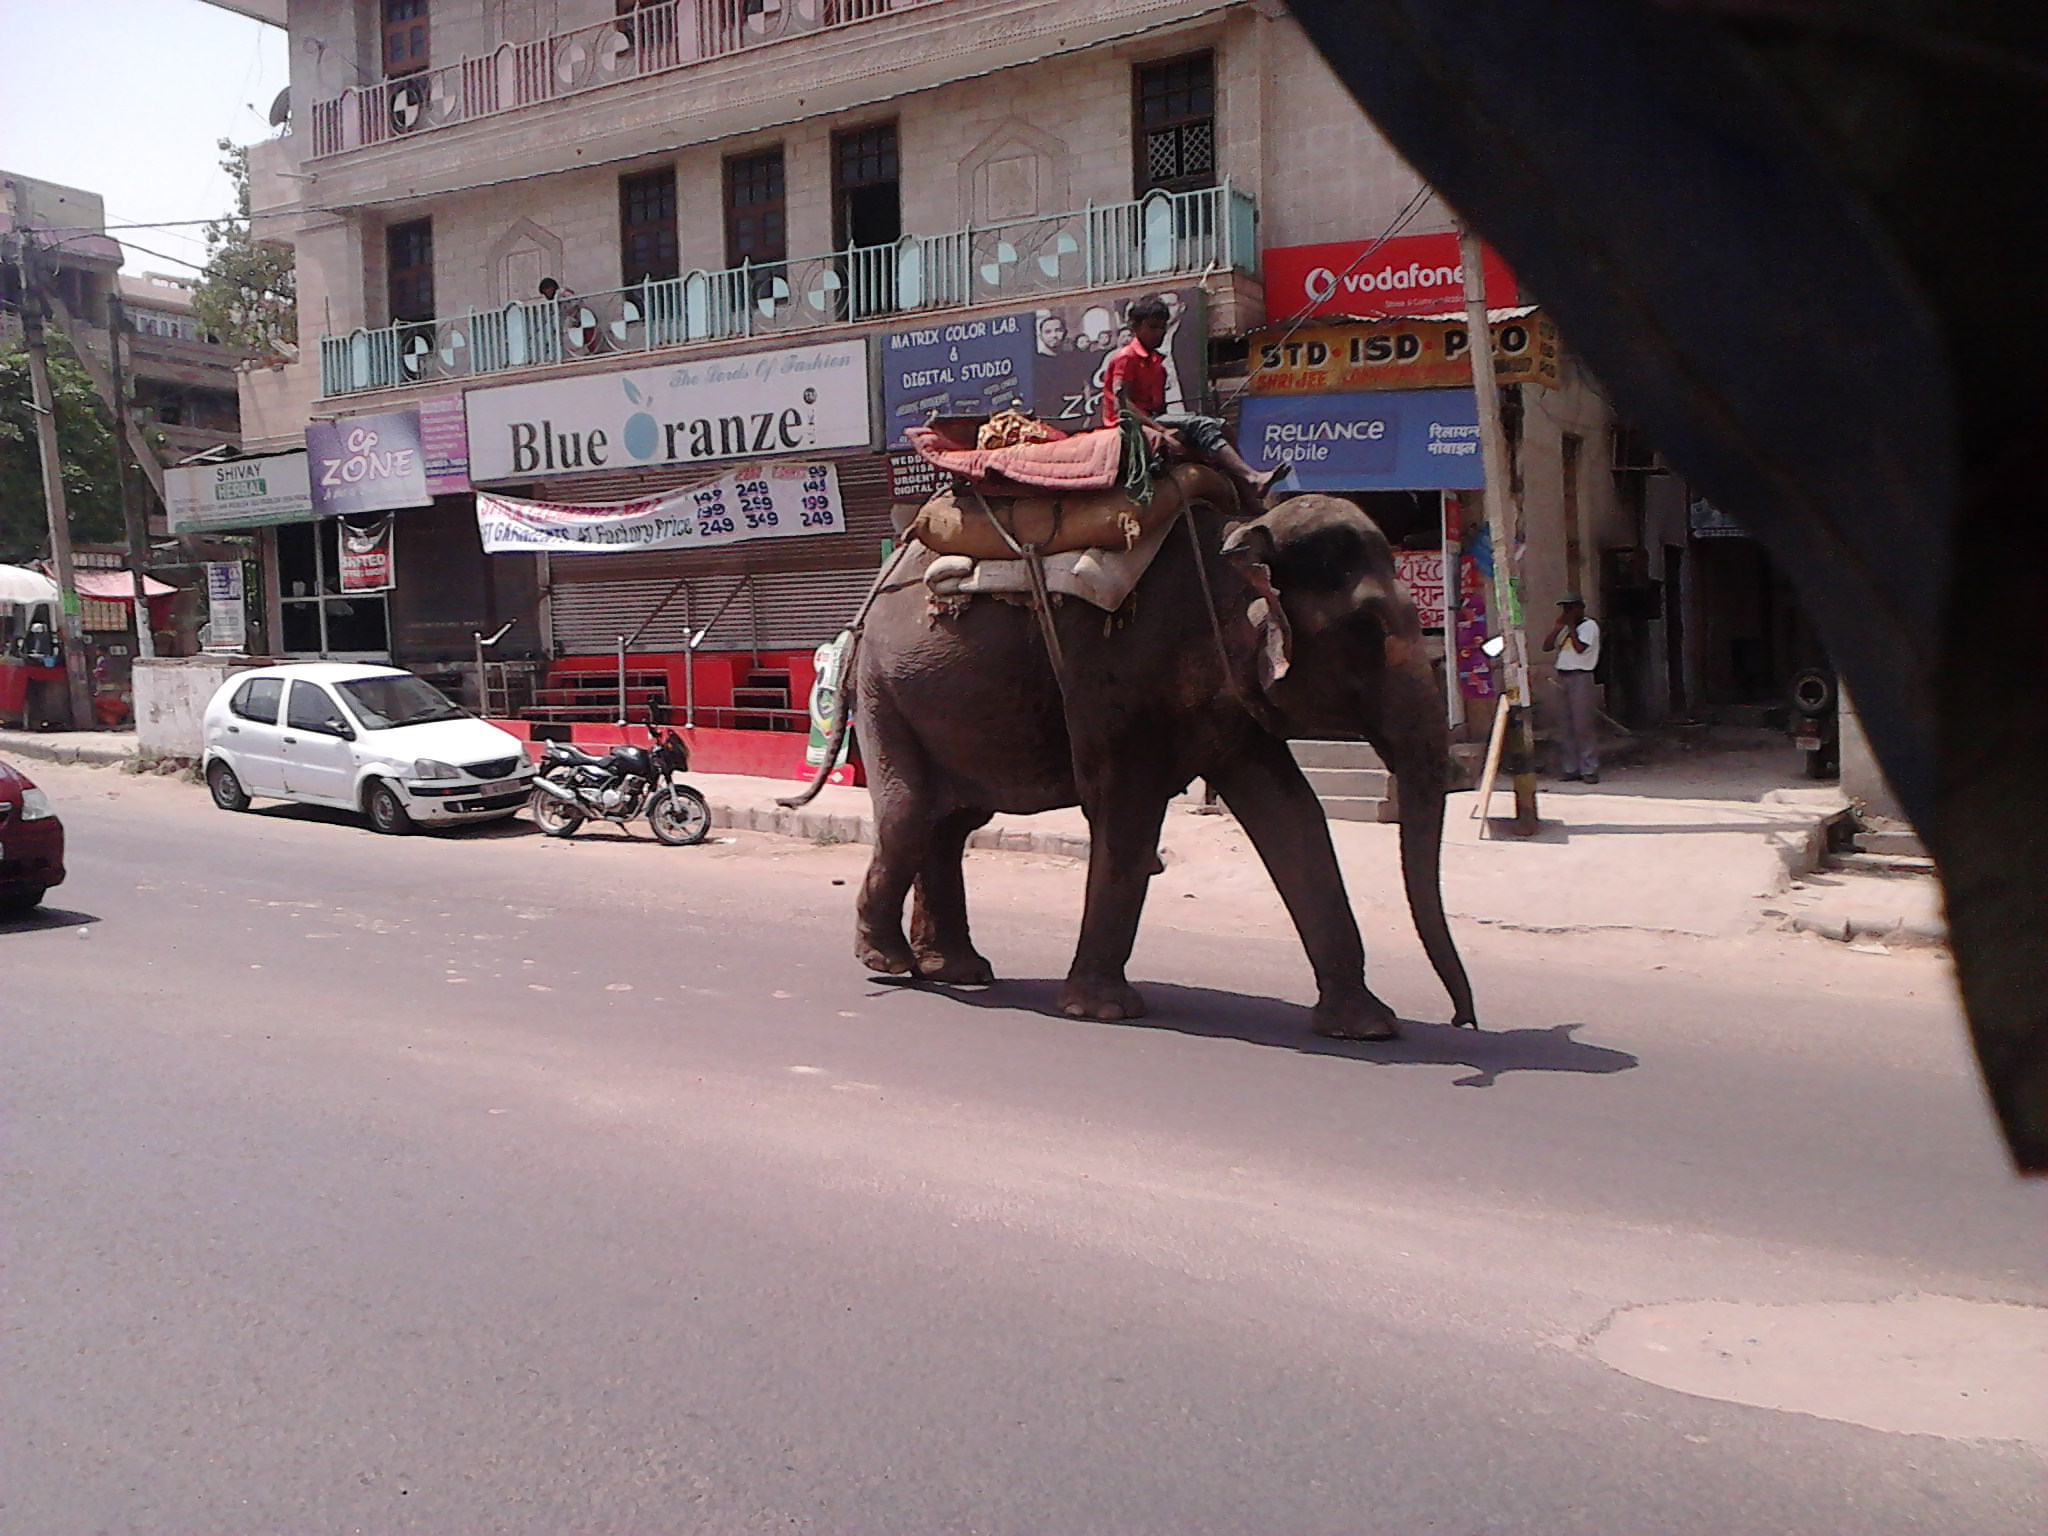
<point>318,618</point>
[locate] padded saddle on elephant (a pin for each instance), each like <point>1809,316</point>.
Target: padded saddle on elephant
<point>1088,508</point>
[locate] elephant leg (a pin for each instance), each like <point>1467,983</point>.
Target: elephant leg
<point>905,817</point>
<point>939,938</point>
<point>1272,801</point>
<point>1123,856</point>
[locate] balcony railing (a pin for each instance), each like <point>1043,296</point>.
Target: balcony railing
<point>647,41</point>
<point>1163,235</point>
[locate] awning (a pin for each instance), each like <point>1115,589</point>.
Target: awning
<point>19,584</point>
<point>118,586</point>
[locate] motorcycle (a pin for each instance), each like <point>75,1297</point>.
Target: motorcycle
<point>1816,725</point>
<point>572,787</point>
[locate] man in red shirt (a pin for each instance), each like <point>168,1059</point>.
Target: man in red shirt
<point>1138,370</point>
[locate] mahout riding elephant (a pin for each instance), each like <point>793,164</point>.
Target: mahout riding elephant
<point>1292,625</point>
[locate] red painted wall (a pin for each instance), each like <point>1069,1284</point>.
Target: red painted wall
<point>718,672</point>
<point>758,754</point>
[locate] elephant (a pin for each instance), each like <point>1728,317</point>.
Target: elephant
<point>1293,624</point>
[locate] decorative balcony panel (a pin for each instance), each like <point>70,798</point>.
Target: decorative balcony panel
<point>648,41</point>
<point>1163,235</point>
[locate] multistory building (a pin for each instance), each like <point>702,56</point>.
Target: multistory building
<point>585,251</point>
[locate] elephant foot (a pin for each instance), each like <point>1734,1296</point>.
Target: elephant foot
<point>884,958</point>
<point>1106,1001</point>
<point>1355,1018</point>
<point>961,970</point>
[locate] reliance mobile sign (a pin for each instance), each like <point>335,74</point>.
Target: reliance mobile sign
<point>1398,440</point>
<point>1407,275</point>
<point>759,405</point>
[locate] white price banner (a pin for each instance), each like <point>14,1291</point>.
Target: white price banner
<point>755,501</point>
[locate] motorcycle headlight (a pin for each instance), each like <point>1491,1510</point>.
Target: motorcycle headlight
<point>35,806</point>
<point>431,768</point>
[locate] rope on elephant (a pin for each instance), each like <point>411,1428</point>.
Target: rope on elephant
<point>1230,679</point>
<point>1034,568</point>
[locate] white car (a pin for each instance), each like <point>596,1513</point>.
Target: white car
<point>372,739</point>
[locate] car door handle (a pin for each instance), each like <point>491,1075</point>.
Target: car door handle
<point>291,741</point>
<point>234,730</point>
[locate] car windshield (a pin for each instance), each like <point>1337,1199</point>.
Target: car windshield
<point>384,703</point>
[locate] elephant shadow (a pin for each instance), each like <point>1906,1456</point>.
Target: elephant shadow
<point>1211,1014</point>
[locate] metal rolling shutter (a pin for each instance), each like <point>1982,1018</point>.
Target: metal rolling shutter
<point>777,611</point>
<point>804,590</point>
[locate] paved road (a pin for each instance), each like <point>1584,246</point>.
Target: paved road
<point>480,1185</point>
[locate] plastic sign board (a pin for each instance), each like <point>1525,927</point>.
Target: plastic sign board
<point>1399,440</point>
<point>755,501</point>
<point>1397,354</point>
<point>1050,361</point>
<point>367,464</point>
<point>698,412</point>
<point>226,608</point>
<point>444,444</point>
<point>366,561</point>
<point>1407,275</point>
<point>239,493</point>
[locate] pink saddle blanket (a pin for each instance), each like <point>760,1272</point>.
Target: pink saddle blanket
<point>1087,461</point>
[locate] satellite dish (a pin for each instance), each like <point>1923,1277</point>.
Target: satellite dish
<point>281,109</point>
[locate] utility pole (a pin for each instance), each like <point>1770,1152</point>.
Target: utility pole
<point>44,404</point>
<point>132,518</point>
<point>1511,726</point>
<point>140,453</point>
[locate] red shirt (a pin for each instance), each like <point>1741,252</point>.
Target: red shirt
<point>1142,373</point>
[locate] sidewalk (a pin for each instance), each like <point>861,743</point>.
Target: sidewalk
<point>98,747</point>
<point>1705,847</point>
<point>1648,850</point>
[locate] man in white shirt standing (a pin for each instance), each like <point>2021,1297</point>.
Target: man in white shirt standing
<point>1576,639</point>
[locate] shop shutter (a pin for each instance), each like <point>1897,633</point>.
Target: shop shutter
<point>774,611</point>
<point>803,590</point>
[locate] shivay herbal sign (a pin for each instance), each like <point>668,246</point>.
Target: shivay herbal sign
<point>763,404</point>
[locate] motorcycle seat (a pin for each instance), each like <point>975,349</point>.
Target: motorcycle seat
<point>570,752</point>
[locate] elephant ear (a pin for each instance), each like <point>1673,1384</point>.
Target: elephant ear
<point>1245,546</point>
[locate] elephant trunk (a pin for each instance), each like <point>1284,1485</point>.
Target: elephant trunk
<point>1422,788</point>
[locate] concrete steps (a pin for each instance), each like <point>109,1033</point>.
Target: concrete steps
<point>1349,778</point>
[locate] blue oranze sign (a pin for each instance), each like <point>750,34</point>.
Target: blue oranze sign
<point>1397,440</point>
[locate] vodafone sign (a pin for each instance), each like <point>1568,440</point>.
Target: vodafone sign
<point>1408,275</point>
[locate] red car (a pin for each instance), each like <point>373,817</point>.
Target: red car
<point>31,843</point>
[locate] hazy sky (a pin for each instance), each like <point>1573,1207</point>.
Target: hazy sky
<point>126,98</point>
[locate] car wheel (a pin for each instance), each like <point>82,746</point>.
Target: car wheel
<point>387,811</point>
<point>553,817</point>
<point>21,903</point>
<point>227,790</point>
<point>679,817</point>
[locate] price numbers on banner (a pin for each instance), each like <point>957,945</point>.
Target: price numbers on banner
<point>714,518</point>
<point>820,505</point>
<point>756,502</point>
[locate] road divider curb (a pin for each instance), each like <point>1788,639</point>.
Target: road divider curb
<point>828,827</point>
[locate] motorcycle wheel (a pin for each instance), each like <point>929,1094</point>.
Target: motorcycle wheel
<point>553,817</point>
<point>679,817</point>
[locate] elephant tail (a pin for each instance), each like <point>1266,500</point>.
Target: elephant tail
<point>836,737</point>
<point>1421,794</point>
